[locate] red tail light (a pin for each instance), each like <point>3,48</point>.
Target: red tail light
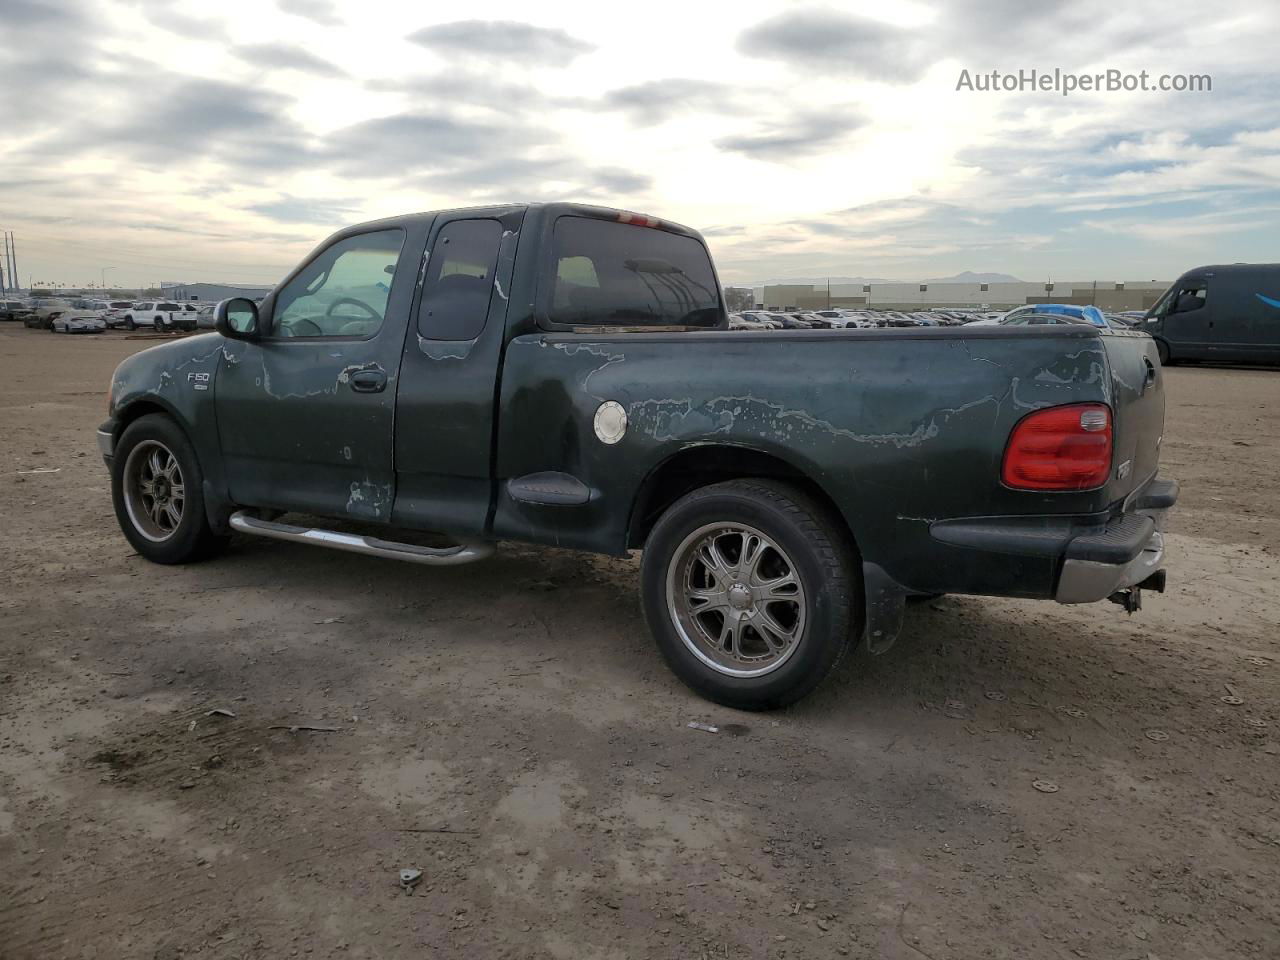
<point>1060,448</point>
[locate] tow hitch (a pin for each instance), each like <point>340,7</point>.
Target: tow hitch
<point>1131,597</point>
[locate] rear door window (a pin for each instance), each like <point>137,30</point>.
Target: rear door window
<point>620,274</point>
<point>455,297</point>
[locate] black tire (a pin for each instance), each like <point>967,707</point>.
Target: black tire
<point>159,326</point>
<point>1162,349</point>
<point>191,539</point>
<point>129,324</point>
<point>823,559</point>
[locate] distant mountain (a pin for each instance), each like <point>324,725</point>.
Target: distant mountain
<point>968,276</point>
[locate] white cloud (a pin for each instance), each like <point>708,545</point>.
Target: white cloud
<point>213,142</point>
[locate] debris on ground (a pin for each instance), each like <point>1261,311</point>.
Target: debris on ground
<point>294,728</point>
<point>1045,786</point>
<point>220,712</point>
<point>707,727</point>
<point>410,877</point>
<point>1159,736</point>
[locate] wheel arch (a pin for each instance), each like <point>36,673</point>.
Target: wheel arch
<point>141,407</point>
<point>703,464</point>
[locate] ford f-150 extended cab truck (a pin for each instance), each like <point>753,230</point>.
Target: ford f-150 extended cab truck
<point>563,374</point>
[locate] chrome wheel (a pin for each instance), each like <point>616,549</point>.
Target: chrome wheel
<point>154,493</point>
<point>736,599</point>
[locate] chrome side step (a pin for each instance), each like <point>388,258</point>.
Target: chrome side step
<point>245,522</point>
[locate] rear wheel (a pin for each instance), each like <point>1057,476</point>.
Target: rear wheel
<point>159,327</point>
<point>156,487</point>
<point>750,589</point>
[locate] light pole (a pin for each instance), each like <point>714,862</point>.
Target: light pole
<point>104,276</point>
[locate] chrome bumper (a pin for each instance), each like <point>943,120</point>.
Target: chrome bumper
<point>106,444</point>
<point>1086,581</point>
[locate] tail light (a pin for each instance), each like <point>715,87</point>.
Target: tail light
<point>1060,448</point>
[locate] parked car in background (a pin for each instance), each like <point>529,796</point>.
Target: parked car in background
<point>116,311</point>
<point>78,322</point>
<point>14,310</point>
<point>840,319</point>
<point>1048,314</point>
<point>160,315</point>
<point>815,322</point>
<point>1228,312</point>
<point>45,309</point>
<point>205,316</point>
<point>790,322</point>
<point>761,318</point>
<point>738,322</point>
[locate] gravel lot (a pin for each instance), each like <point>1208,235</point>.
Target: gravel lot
<point>509,729</point>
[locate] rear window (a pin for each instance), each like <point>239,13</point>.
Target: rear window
<point>168,306</point>
<point>625,275</point>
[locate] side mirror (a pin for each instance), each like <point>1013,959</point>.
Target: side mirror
<point>237,319</point>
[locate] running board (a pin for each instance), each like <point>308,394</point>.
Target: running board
<point>245,522</point>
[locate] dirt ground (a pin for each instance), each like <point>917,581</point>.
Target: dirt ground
<point>509,729</point>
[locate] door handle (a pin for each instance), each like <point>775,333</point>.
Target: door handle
<point>368,381</point>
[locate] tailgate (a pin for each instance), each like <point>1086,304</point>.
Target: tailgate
<point>1137,391</point>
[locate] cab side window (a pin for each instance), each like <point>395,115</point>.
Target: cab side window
<point>342,292</point>
<point>459,283</point>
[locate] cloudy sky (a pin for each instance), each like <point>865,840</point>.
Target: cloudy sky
<point>202,141</point>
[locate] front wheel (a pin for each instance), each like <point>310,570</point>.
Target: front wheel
<point>751,590</point>
<point>1162,349</point>
<point>159,327</point>
<point>129,324</point>
<point>156,488</point>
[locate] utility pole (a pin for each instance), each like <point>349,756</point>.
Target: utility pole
<point>13,259</point>
<point>4,269</point>
<point>828,293</point>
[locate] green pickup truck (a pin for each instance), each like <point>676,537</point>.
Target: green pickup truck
<point>564,374</point>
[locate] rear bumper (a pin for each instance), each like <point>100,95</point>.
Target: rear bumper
<point>1085,581</point>
<point>1093,557</point>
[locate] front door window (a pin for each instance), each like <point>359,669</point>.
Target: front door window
<point>343,292</point>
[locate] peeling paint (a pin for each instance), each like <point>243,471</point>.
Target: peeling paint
<point>573,349</point>
<point>446,349</point>
<point>369,500</point>
<point>721,415</point>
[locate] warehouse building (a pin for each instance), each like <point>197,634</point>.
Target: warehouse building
<point>212,292</point>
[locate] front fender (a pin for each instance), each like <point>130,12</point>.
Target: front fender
<point>179,380</point>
